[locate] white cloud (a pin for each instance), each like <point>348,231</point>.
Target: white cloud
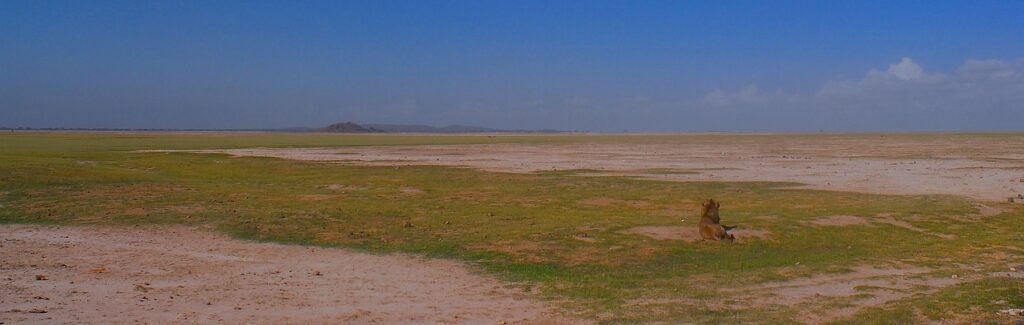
<point>978,80</point>
<point>903,74</point>
<point>905,70</point>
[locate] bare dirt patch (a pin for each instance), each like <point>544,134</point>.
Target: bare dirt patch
<point>316,197</point>
<point>743,234</point>
<point>584,237</point>
<point>840,221</point>
<point>864,286</point>
<point>174,274</point>
<point>342,187</point>
<point>689,233</point>
<point>988,211</point>
<point>843,220</point>
<point>908,226</point>
<point>411,191</point>
<point>604,202</point>
<point>1014,275</point>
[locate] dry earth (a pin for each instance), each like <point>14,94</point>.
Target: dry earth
<point>177,274</point>
<point>863,287</point>
<point>984,168</point>
<point>845,220</point>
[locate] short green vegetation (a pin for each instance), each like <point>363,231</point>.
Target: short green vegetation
<point>560,235</point>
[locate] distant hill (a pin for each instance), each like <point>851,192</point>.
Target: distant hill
<point>347,127</point>
<point>414,128</point>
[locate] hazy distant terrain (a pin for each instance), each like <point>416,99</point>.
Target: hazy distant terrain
<point>341,127</point>
<point>350,127</point>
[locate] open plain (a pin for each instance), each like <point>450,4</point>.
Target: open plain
<point>832,228</point>
<point>984,168</point>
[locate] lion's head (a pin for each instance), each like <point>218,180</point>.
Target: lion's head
<point>710,209</point>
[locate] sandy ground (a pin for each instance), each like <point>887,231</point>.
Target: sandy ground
<point>887,284</point>
<point>981,167</point>
<point>177,274</point>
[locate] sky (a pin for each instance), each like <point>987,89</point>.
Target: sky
<point>662,66</point>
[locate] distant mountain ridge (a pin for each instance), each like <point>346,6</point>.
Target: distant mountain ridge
<point>347,127</point>
<point>417,128</point>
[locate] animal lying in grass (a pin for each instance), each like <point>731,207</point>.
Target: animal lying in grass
<point>710,222</point>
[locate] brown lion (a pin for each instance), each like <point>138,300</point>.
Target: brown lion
<point>710,227</point>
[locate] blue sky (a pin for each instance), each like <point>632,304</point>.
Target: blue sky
<point>571,65</point>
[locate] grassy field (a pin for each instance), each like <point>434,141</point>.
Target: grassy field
<point>557,234</point>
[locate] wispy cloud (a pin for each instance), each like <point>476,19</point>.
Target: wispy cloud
<point>904,84</point>
<point>980,94</point>
<point>903,74</point>
<point>746,96</point>
<point>976,85</point>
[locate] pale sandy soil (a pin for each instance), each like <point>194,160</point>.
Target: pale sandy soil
<point>177,274</point>
<point>989,168</point>
<point>887,284</point>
